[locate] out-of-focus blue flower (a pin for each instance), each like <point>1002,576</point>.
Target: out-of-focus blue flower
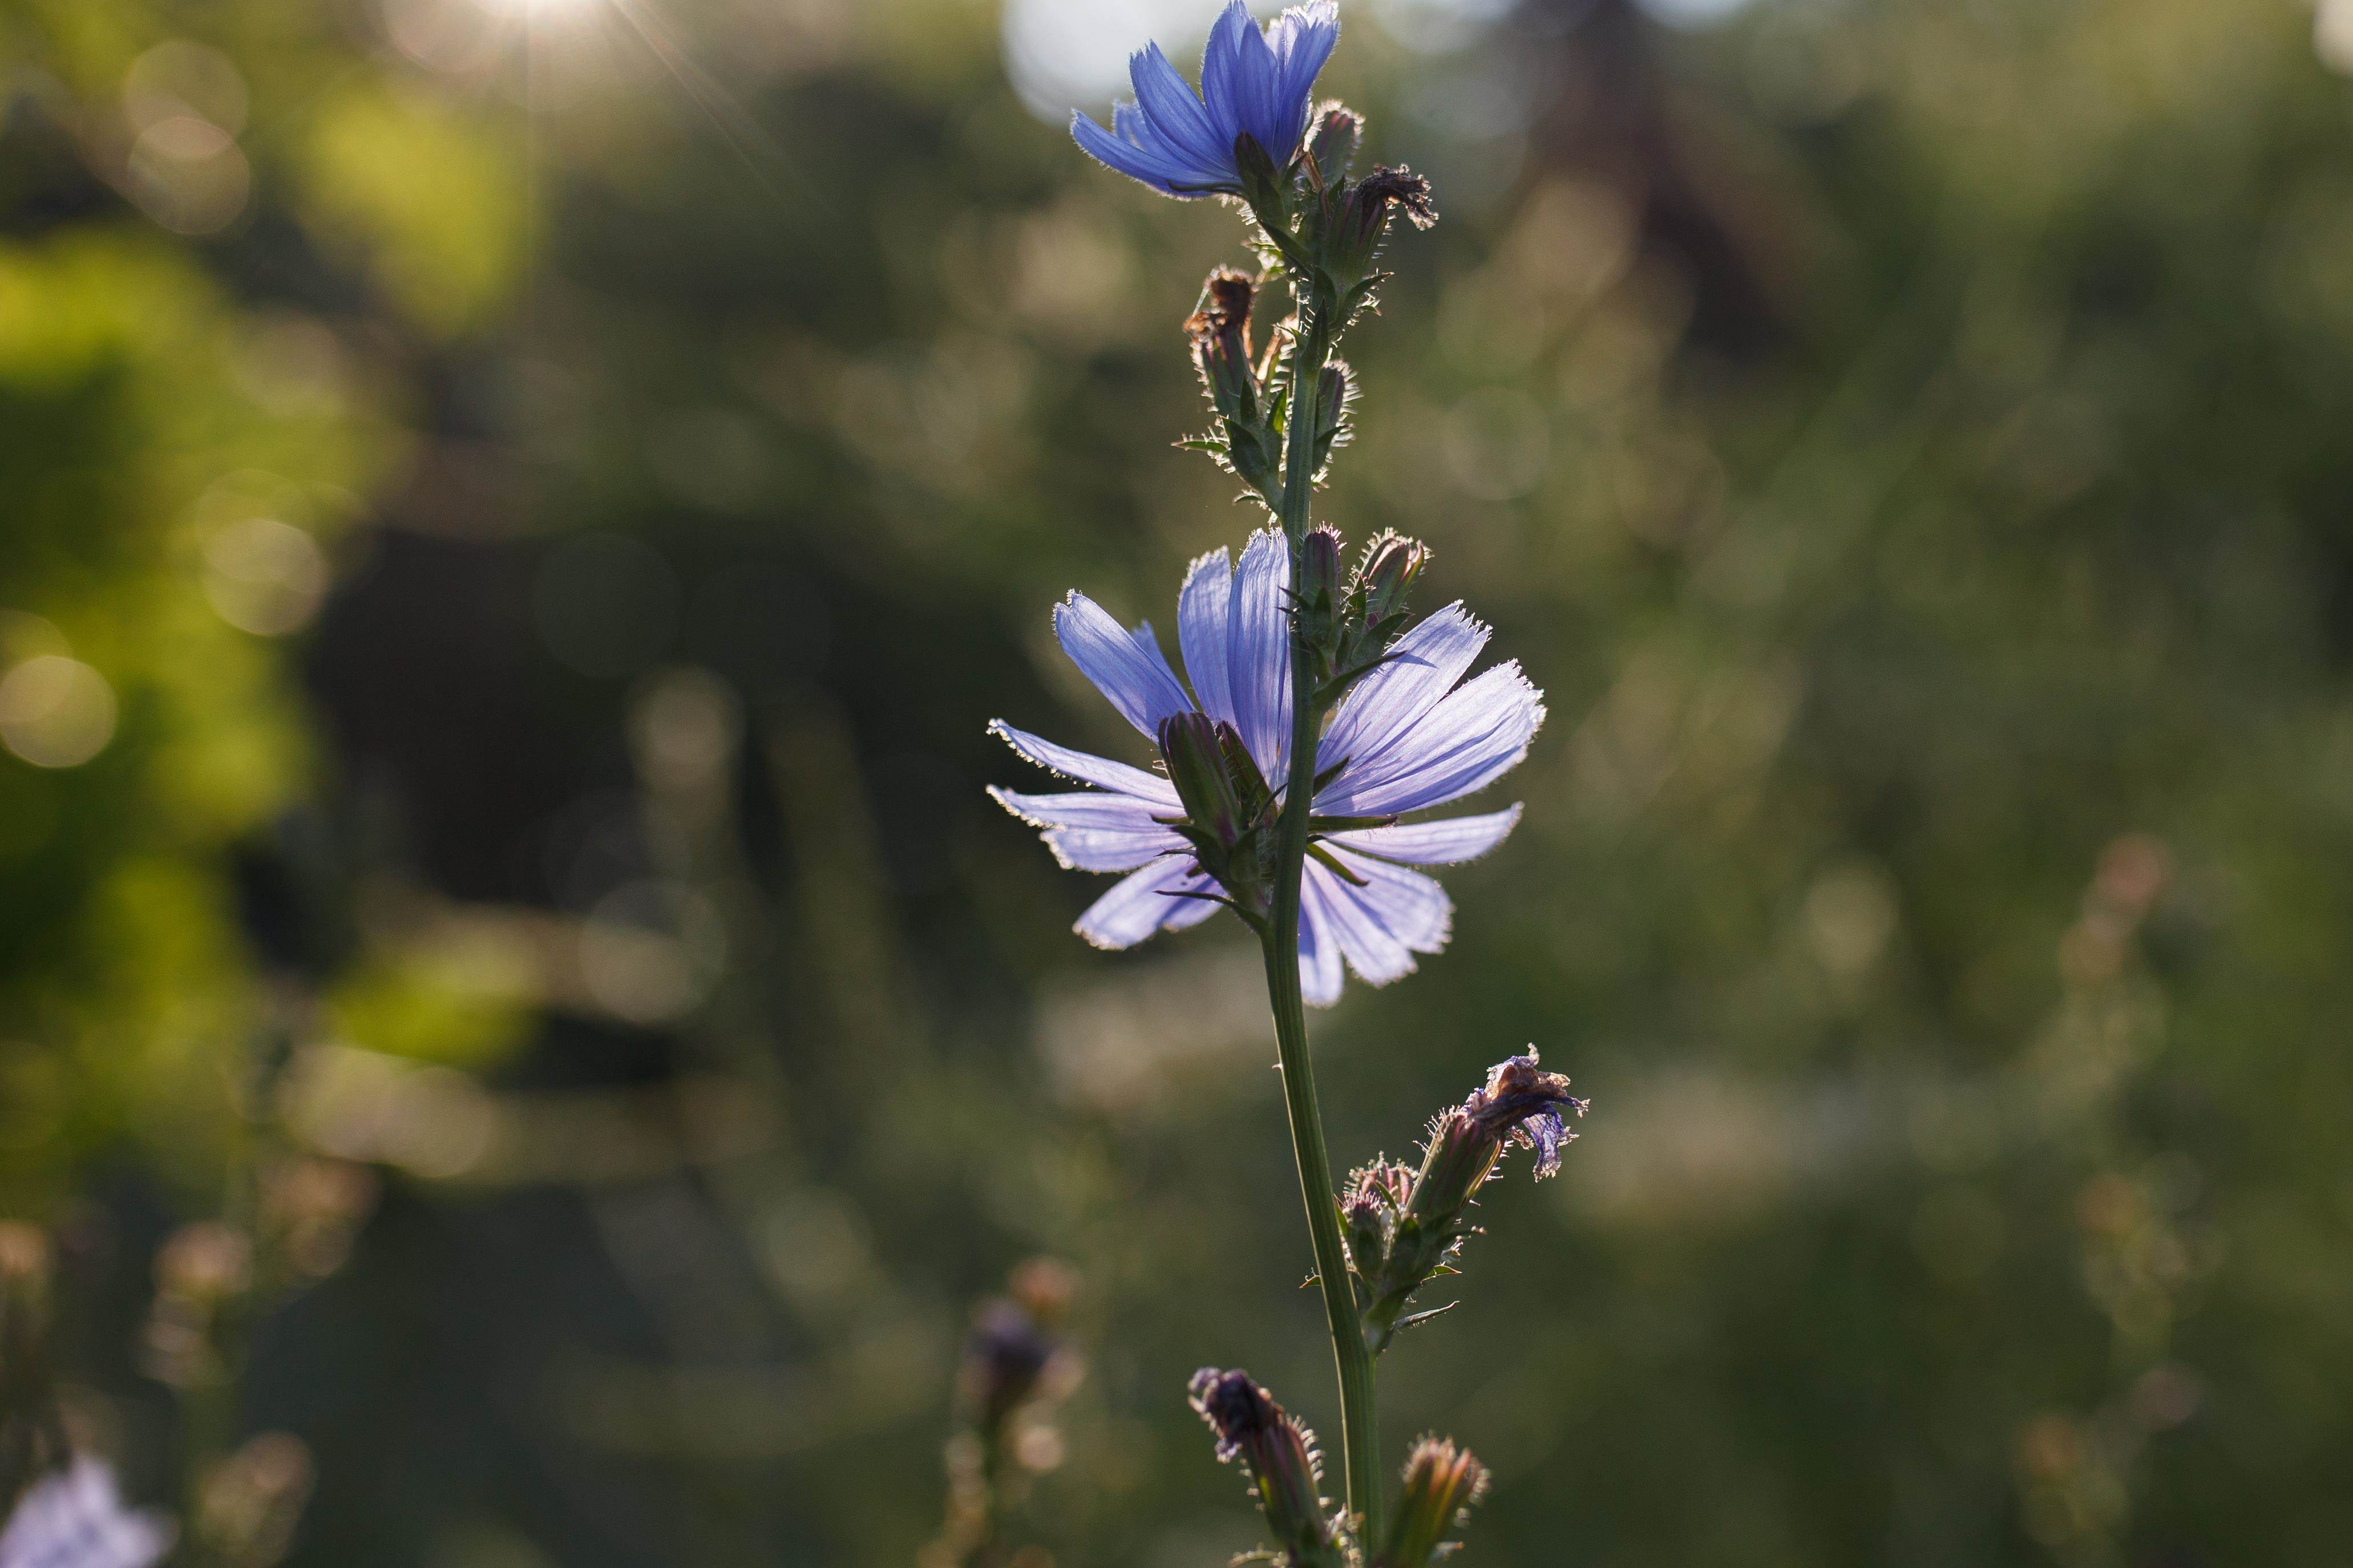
<point>1252,83</point>
<point>73,1518</point>
<point>1405,738</point>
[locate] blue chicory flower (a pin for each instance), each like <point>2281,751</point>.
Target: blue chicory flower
<point>73,1518</point>
<point>1405,738</point>
<point>1182,143</point>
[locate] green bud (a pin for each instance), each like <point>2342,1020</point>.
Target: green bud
<point>1331,410</point>
<point>1280,1456</point>
<point>1332,143</point>
<point>1441,1482</point>
<point>1190,745</point>
<point>1265,186</point>
<point>1318,602</point>
<point>1368,1212</point>
<point>1391,564</point>
<point>1354,238</point>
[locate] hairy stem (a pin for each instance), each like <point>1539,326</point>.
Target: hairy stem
<point>1360,1439</point>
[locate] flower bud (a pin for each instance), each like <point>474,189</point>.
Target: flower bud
<point>1332,142</point>
<point>1392,562</point>
<point>1354,238</point>
<point>1263,186</point>
<point>1004,1358</point>
<point>1280,1456</point>
<point>1375,1197</point>
<point>1196,756</point>
<point>1332,391</point>
<point>1441,1482</point>
<point>1317,604</point>
<point>1220,330</point>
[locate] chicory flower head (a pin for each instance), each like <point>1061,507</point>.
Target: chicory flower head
<point>1253,84</point>
<point>73,1518</point>
<point>1405,738</point>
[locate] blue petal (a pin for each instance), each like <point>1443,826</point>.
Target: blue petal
<point>1105,849</point>
<point>1302,40</point>
<point>1410,906</point>
<point>1319,942</point>
<point>1144,902</point>
<point>1255,85</point>
<point>1178,116</point>
<point>1373,951</point>
<point>1447,843</point>
<point>1380,709</point>
<point>1257,658</point>
<point>1473,737</point>
<point>1083,808</point>
<point>1203,610</point>
<point>1189,178</point>
<point>1088,768</point>
<point>1230,85</point>
<point>1187,913</point>
<point>1122,157</point>
<point>1139,684</point>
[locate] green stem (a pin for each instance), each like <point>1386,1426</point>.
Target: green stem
<point>1360,1439</point>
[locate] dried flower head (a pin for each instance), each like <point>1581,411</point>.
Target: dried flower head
<point>1523,1104</point>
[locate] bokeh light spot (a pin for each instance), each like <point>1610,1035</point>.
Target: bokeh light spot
<point>55,711</point>
<point>265,576</point>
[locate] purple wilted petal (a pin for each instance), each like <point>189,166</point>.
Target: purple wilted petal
<point>1524,1104</point>
<point>1447,843</point>
<point>1259,652</point>
<point>1320,973</point>
<point>1088,768</point>
<point>1203,612</point>
<point>1410,906</point>
<point>1478,734</point>
<point>1144,902</point>
<point>1127,668</point>
<point>1423,666</point>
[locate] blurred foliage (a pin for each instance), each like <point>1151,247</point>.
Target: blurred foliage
<point>514,530</point>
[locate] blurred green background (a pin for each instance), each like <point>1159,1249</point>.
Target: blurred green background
<point>515,518</point>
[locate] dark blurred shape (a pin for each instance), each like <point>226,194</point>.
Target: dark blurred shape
<point>32,1427</point>
<point>1016,1369</point>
